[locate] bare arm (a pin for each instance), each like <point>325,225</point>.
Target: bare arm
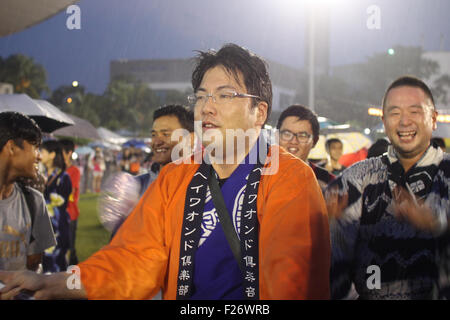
<point>54,286</point>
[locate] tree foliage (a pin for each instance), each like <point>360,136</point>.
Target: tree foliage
<point>24,74</point>
<point>347,95</point>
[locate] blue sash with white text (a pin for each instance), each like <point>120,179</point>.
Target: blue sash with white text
<point>207,267</point>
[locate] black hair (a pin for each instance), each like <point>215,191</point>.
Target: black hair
<point>67,145</point>
<point>330,141</point>
<point>235,60</point>
<point>55,146</point>
<point>438,142</point>
<point>18,127</point>
<point>184,115</point>
<point>302,113</point>
<point>409,81</point>
<point>378,148</point>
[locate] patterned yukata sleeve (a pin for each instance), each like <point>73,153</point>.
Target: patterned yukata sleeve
<point>344,230</point>
<point>439,201</point>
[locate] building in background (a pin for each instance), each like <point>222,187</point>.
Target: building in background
<point>162,76</point>
<point>6,88</point>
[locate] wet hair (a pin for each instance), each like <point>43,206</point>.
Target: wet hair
<point>184,115</point>
<point>409,81</point>
<point>55,146</point>
<point>302,113</point>
<point>19,128</point>
<point>330,141</point>
<point>236,60</point>
<point>67,145</point>
<point>438,142</point>
<point>378,148</point>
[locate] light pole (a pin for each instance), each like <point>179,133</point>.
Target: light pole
<point>311,55</point>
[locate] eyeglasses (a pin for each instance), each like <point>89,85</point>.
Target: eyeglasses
<point>302,137</point>
<point>220,97</point>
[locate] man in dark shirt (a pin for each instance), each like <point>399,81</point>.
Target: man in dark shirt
<point>299,132</point>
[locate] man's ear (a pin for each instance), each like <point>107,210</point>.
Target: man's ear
<point>261,113</point>
<point>11,147</point>
<point>434,119</point>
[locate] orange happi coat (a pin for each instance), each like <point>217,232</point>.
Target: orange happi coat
<point>294,241</point>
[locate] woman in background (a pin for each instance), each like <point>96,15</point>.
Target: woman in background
<point>57,191</point>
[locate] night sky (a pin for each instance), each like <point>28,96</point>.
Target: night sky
<point>148,29</point>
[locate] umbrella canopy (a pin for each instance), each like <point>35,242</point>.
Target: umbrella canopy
<point>109,136</point>
<point>135,143</point>
<point>17,15</point>
<point>48,117</point>
<point>81,129</point>
<point>104,145</point>
<point>54,118</point>
<point>328,123</point>
<point>84,150</point>
<point>352,141</point>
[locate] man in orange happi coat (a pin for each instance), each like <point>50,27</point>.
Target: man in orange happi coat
<point>278,246</point>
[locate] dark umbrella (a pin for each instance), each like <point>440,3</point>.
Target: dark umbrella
<point>135,143</point>
<point>46,115</point>
<point>81,129</point>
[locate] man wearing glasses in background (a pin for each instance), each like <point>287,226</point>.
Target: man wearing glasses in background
<point>173,239</point>
<point>299,132</point>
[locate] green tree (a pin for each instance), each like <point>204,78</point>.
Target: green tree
<point>347,95</point>
<point>69,98</point>
<point>74,100</point>
<point>130,105</point>
<point>440,90</point>
<point>177,97</point>
<point>24,74</point>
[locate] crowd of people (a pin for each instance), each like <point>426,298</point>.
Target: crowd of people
<point>232,215</point>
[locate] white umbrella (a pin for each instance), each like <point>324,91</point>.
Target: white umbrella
<point>352,141</point>
<point>47,116</point>
<point>110,137</point>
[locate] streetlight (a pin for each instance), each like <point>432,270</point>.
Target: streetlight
<point>311,55</point>
<point>75,84</point>
<point>316,9</point>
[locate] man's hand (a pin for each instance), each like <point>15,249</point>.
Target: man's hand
<point>335,203</point>
<point>39,286</point>
<point>18,281</point>
<point>406,207</point>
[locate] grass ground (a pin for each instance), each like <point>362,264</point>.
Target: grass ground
<point>91,235</point>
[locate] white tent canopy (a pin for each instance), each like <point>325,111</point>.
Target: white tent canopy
<point>110,137</point>
<point>16,15</point>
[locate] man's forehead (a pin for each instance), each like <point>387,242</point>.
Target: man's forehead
<point>407,96</point>
<point>219,76</point>
<point>296,123</point>
<point>168,122</point>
